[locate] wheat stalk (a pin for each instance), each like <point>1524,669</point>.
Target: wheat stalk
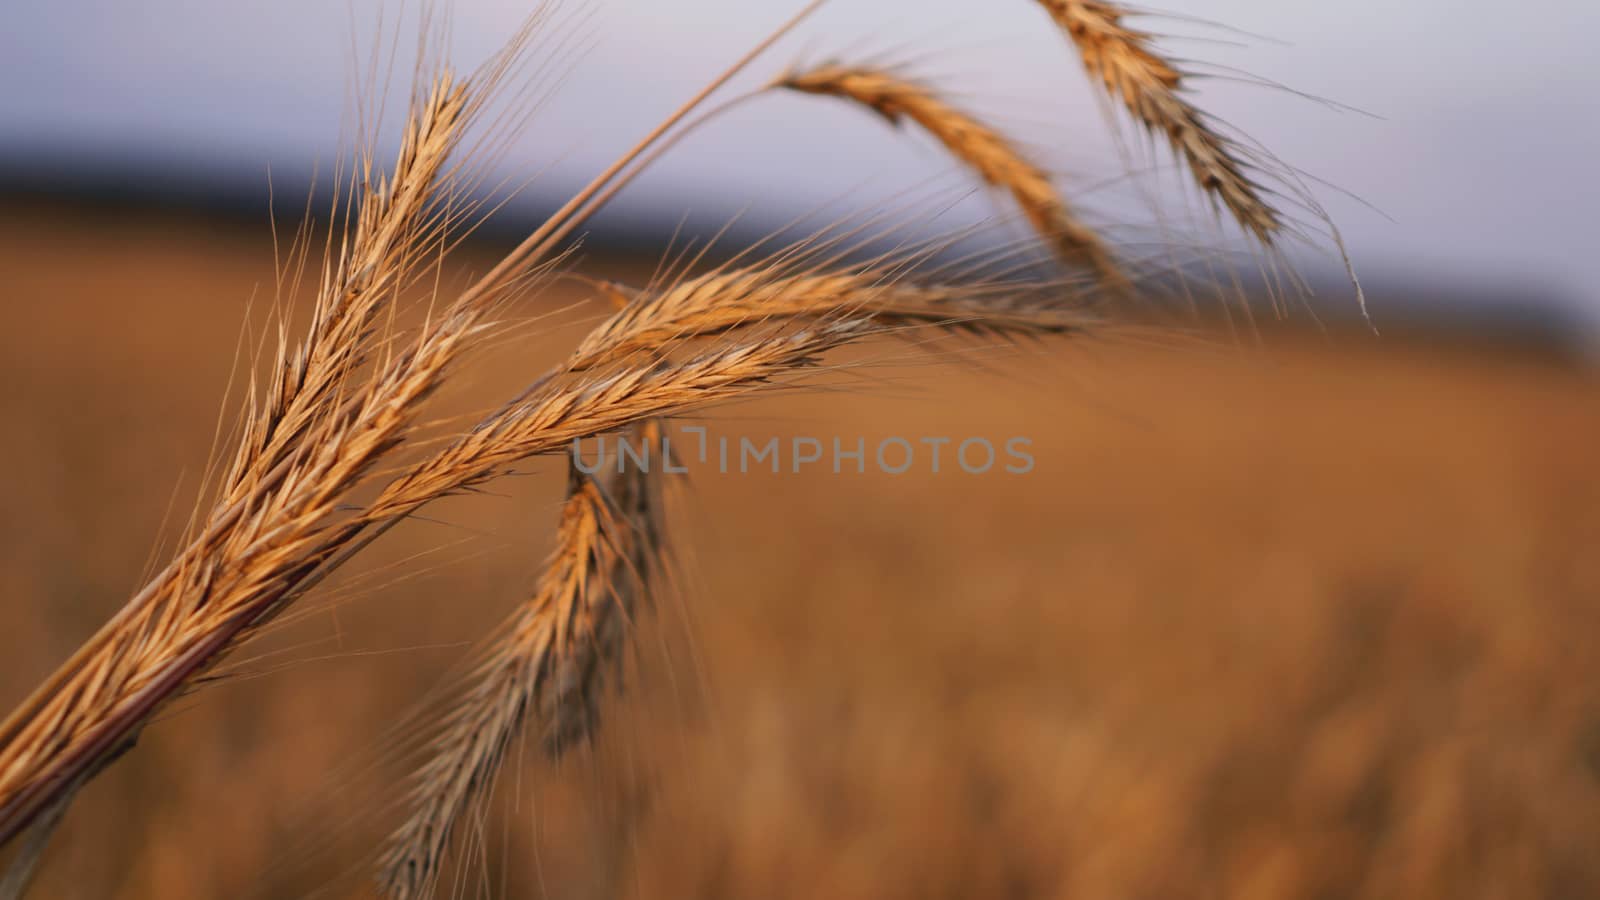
<point>1126,64</point>
<point>981,147</point>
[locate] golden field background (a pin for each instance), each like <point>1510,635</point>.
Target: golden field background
<point>1315,619</point>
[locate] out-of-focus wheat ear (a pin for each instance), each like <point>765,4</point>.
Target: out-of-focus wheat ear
<point>995,159</point>
<point>569,702</point>
<point>1125,63</point>
<point>727,299</point>
<point>552,660</point>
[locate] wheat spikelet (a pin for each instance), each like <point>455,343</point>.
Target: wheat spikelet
<point>1125,62</point>
<point>549,663</point>
<point>994,158</point>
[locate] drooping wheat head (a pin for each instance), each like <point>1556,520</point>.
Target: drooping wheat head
<point>550,663</point>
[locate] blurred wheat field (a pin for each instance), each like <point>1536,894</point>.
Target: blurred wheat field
<point>1309,620</point>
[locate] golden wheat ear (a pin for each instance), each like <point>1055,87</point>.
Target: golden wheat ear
<point>551,662</point>
<point>332,411</point>
<point>1125,63</point>
<point>982,148</point>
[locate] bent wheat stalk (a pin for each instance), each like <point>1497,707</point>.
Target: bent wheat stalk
<point>986,151</point>
<point>1126,64</point>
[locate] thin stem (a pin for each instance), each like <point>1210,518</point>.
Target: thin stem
<point>576,210</point>
<point>19,876</point>
<point>661,149</point>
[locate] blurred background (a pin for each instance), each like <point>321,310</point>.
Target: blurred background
<point>1451,146</point>
<point>1306,614</point>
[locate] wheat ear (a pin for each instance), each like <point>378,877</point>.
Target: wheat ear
<point>982,148</point>
<point>549,664</point>
<point>1125,62</point>
<point>315,439</point>
<point>732,298</point>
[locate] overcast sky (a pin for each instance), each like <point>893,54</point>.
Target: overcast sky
<point>1480,145</point>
